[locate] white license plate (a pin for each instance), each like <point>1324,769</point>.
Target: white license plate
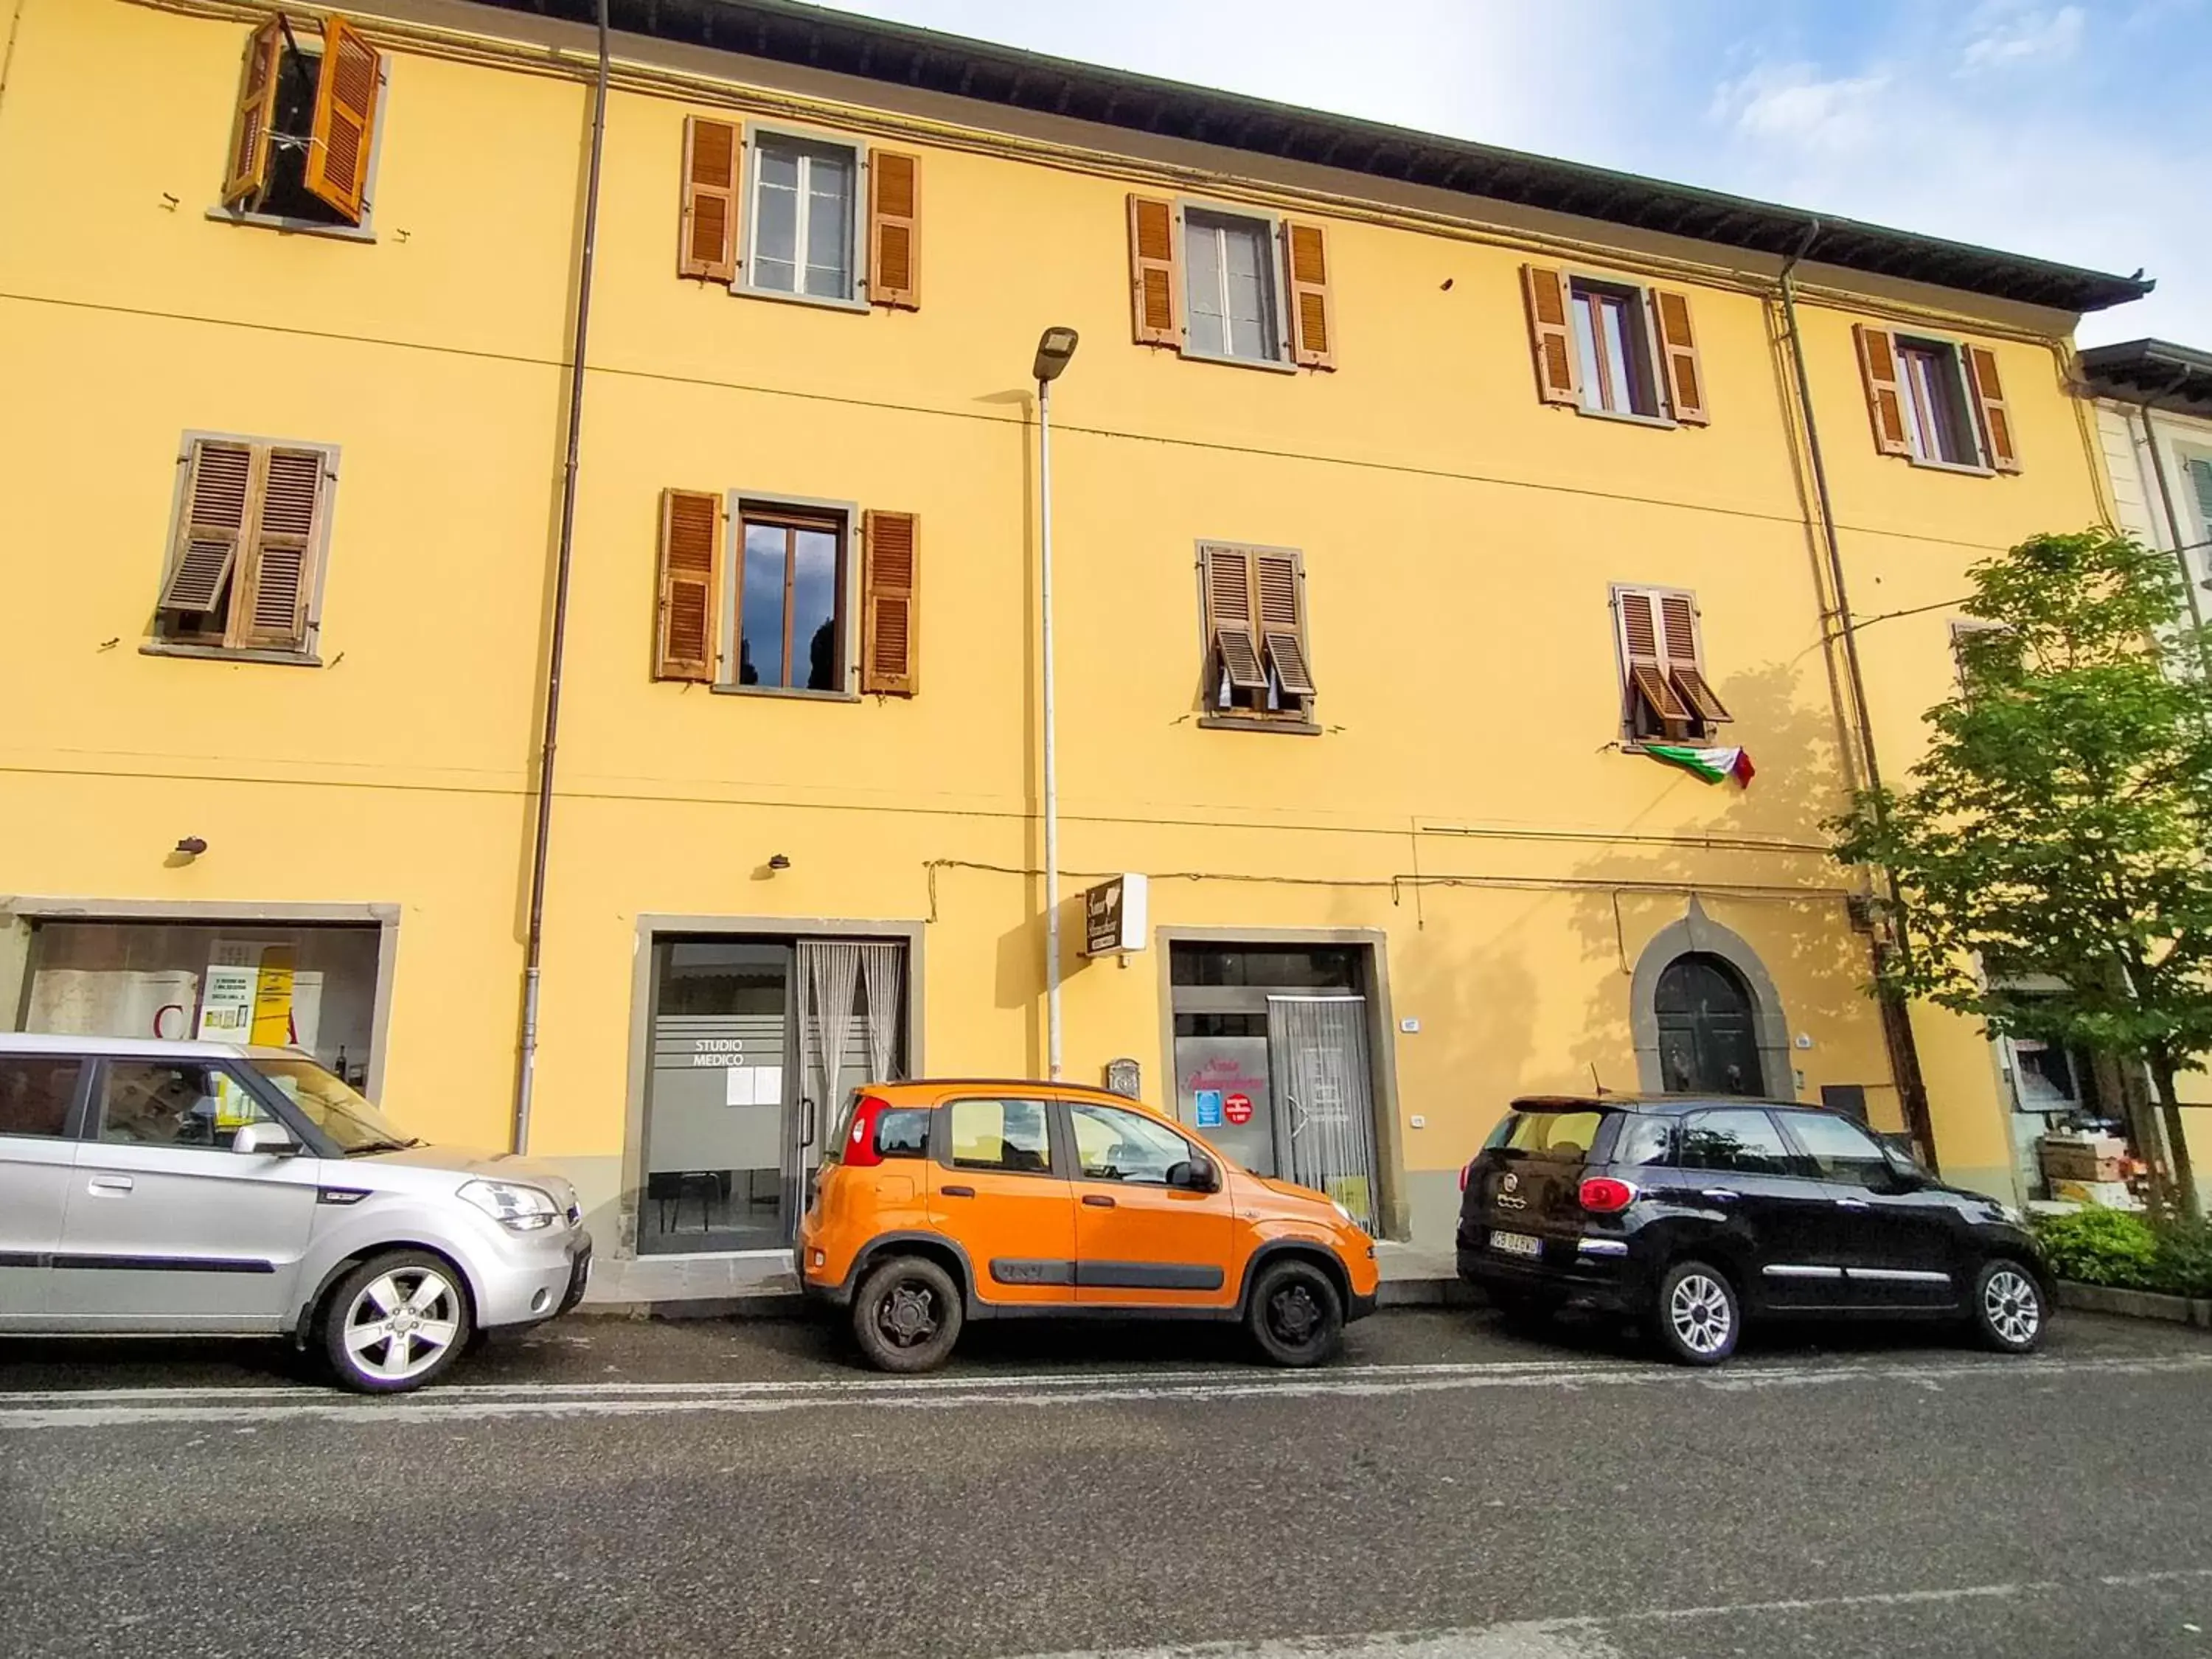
<point>1516,1243</point>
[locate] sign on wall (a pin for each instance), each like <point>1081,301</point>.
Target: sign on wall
<point>1113,915</point>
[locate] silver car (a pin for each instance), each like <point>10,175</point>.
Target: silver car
<point>206,1189</point>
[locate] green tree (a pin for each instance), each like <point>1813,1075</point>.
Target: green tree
<point>2056,828</point>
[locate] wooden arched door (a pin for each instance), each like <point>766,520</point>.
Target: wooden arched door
<point>1708,1030</point>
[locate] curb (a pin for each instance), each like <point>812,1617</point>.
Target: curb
<point>1437,1292</point>
<point>2135,1304</point>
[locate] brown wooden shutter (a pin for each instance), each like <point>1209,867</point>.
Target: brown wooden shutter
<point>1678,639</point>
<point>1231,641</point>
<point>1549,336</point>
<point>712,153</point>
<point>1678,354</point>
<point>1279,584</point>
<point>690,584</point>
<point>1313,337</point>
<point>210,525</point>
<point>1641,659</point>
<point>890,642</point>
<point>894,203</point>
<point>1997,419</point>
<point>278,572</point>
<point>247,170</point>
<point>1155,271</point>
<point>1885,398</point>
<point>345,120</point>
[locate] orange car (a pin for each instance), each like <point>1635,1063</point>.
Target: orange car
<point>940,1202</point>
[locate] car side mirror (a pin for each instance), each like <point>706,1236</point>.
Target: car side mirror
<point>1195,1174</point>
<point>265,1138</point>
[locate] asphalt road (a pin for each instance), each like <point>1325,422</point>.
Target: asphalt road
<point>1447,1492</point>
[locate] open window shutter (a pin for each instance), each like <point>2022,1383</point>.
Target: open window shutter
<point>891,645</point>
<point>1677,638</point>
<point>2200,478</point>
<point>271,611</point>
<point>1549,337</point>
<point>1155,271</point>
<point>1885,398</point>
<point>1280,582</point>
<point>711,154</point>
<point>1640,655</point>
<point>893,193</point>
<point>248,168</point>
<point>1313,337</point>
<point>1678,353</point>
<point>690,566</point>
<point>1996,420</point>
<point>211,525</point>
<point>1230,638</point>
<point>345,120</point>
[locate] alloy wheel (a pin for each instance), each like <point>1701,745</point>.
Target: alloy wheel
<point>2012,1306</point>
<point>402,1323</point>
<point>1698,1311</point>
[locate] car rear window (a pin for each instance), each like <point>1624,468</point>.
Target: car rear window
<point>1563,1135</point>
<point>901,1132</point>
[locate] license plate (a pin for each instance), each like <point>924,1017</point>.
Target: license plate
<point>1516,1243</point>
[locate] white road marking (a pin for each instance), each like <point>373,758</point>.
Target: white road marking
<point>1585,1637</point>
<point>127,1408</point>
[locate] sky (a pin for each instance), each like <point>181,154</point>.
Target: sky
<point>2077,133</point>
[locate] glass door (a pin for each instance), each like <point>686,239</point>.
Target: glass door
<point>1317,1052</point>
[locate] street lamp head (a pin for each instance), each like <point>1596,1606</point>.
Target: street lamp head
<point>1054,346</point>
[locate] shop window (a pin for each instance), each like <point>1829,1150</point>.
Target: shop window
<point>1257,666</point>
<point>1612,348</point>
<point>303,143</point>
<point>1232,286</point>
<point>246,548</point>
<point>1665,693</point>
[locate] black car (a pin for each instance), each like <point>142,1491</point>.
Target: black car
<point>1693,1214</point>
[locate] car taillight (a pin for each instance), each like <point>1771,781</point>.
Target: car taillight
<point>860,1151</point>
<point>1604,1195</point>
<point>1466,1174</point>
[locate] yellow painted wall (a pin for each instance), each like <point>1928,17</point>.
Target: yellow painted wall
<point>1459,537</point>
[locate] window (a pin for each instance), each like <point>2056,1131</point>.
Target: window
<point>789,601</point>
<point>2199,468</point>
<point>1232,286</point>
<point>802,225</point>
<point>902,1132</point>
<point>146,1102</point>
<point>36,1091</point>
<point>1112,1145</point>
<point>1972,651</point>
<point>245,552</point>
<point>303,143</point>
<point>1741,1142</point>
<point>1937,422</point>
<point>1565,1135</point>
<point>1643,1139</point>
<point>1840,1150</point>
<point>1009,1136</point>
<point>1256,666</point>
<point>1936,402</point>
<point>1665,693</point>
<point>1613,348</point>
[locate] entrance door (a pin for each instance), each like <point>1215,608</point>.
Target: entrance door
<point>1317,1053</point>
<point>1708,1034</point>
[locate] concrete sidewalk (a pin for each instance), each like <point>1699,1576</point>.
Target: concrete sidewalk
<point>763,1284</point>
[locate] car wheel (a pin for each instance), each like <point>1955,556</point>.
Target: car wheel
<point>2007,1307</point>
<point>1698,1317</point>
<point>1296,1317</point>
<point>907,1315</point>
<point>396,1321</point>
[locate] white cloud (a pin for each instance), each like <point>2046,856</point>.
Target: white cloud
<point>2006,36</point>
<point>1792,104</point>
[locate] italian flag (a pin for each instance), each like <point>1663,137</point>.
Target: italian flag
<point>1710,764</point>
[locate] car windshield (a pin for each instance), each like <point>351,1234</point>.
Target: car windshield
<point>333,1107</point>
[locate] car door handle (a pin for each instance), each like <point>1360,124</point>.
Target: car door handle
<point>111,1184</point>
<point>1853,1204</point>
<point>1720,1194</point>
<point>1098,1200</point>
<point>956,1192</point>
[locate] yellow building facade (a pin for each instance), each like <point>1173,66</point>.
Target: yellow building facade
<point>1406,854</point>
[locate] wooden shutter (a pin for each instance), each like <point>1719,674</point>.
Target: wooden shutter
<point>1278,587</point>
<point>1155,271</point>
<point>1550,338</point>
<point>345,120</point>
<point>278,572</point>
<point>2200,476</point>
<point>1644,665</point>
<point>711,156</point>
<point>1227,574</point>
<point>691,582</point>
<point>1305,258</point>
<point>210,525</point>
<point>894,201</point>
<point>1996,420</point>
<point>1678,355</point>
<point>890,644</point>
<point>1678,639</point>
<point>1885,398</point>
<point>248,168</point>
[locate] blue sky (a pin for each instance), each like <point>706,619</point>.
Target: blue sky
<point>2081,132</point>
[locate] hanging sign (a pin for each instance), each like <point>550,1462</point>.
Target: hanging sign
<point>1113,915</point>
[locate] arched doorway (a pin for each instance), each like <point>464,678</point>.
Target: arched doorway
<point>1708,1028</point>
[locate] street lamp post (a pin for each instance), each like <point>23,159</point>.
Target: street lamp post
<point>1054,348</point>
